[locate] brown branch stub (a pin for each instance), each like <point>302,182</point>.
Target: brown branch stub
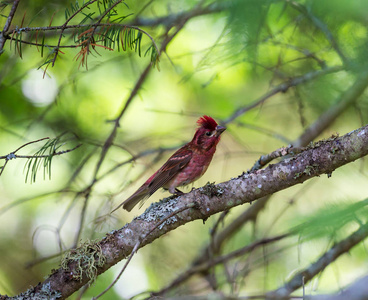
<point>319,159</point>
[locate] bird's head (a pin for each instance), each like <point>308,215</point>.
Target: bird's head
<point>208,133</point>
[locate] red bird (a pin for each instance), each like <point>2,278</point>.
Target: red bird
<point>186,165</point>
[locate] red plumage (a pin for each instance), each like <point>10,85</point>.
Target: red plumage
<point>207,122</point>
<point>186,165</point>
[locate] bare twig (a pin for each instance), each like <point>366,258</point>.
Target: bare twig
<point>282,88</point>
<point>327,258</point>
<point>265,159</point>
<point>134,251</point>
<point>343,102</point>
<point>218,260</point>
<point>138,244</point>
<point>321,26</point>
<point>7,25</point>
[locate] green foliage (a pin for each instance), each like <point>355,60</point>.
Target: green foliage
<point>94,28</point>
<point>42,159</point>
<point>332,220</point>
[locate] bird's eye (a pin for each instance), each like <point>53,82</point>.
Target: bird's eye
<point>208,133</point>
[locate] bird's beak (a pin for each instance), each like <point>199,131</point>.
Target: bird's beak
<point>220,129</point>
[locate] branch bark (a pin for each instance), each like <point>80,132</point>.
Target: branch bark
<point>321,158</point>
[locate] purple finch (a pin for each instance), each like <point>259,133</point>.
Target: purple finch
<point>185,166</point>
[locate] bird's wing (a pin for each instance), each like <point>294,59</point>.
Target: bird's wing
<point>173,165</point>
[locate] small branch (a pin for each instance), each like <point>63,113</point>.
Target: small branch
<point>68,27</point>
<point>282,88</point>
<point>13,154</point>
<point>219,260</point>
<point>137,245</point>
<point>321,26</point>
<point>120,273</point>
<point>171,20</point>
<point>327,258</point>
<point>63,27</point>
<point>7,25</point>
<point>342,103</point>
<point>32,142</point>
<point>265,159</point>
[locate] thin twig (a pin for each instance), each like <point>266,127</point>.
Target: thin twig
<point>12,155</point>
<point>218,260</point>
<point>321,26</point>
<point>63,27</point>
<point>282,88</point>
<point>326,259</point>
<point>138,244</point>
<point>39,156</point>
<point>7,25</point>
<point>265,159</point>
<point>68,27</point>
<point>120,273</point>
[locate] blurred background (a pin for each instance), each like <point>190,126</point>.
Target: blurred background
<point>268,70</point>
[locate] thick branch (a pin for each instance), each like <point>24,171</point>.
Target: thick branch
<point>323,158</point>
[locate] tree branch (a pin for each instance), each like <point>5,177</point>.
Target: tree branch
<point>282,88</point>
<point>321,158</point>
<point>331,255</point>
<point>7,25</point>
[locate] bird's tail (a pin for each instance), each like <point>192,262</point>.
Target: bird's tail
<point>140,195</point>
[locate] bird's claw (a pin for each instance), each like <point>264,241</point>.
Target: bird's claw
<point>179,192</point>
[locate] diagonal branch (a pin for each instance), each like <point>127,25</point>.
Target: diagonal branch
<point>321,26</point>
<point>302,277</point>
<point>7,25</point>
<point>347,98</point>
<point>322,158</point>
<point>282,88</point>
